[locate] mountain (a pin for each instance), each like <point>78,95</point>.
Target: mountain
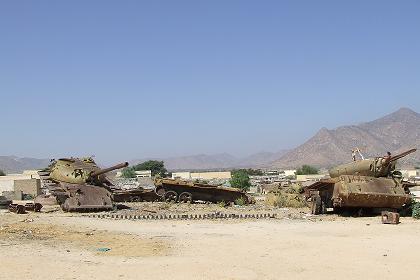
<point>217,161</point>
<point>12,164</point>
<point>395,132</point>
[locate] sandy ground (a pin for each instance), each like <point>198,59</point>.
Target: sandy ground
<point>61,246</point>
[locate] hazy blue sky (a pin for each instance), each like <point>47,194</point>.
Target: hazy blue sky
<point>132,79</point>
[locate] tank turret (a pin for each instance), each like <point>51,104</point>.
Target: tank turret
<point>80,171</point>
<point>374,167</point>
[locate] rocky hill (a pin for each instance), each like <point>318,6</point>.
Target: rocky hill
<point>217,161</point>
<point>12,164</point>
<point>395,132</point>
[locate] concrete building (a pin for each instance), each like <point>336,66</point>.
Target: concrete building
<point>410,173</point>
<point>181,175</point>
<point>17,184</point>
<point>144,174</point>
<point>291,172</point>
<point>31,187</point>
<point>139,174</point>
<point>311,177</point>
<point>202,175</point>
<point>271,172</point>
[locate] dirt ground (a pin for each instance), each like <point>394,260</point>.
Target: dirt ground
<point>55,245</point>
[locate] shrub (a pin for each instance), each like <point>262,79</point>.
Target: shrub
<point>222,204</point>
<point>285,200</point>
<point>307,170</point>
<point>240,201</point>
<point>128,172</point>
<point>240,180</point>
<point>416,210</point>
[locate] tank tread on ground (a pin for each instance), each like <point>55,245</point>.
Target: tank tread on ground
<point>367,184</point>
<point>175,190</point>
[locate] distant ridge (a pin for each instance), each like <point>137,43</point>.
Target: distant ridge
<point>13,164</point>
<point>395,132</point>
<point>217,161</point>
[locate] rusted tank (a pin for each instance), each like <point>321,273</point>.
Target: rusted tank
<point>135,195</point>
<point>367,184</point>
<point>177,190</point>
<point>79,184</point>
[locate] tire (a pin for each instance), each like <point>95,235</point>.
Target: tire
<point>160,191</point>
<point>185,197</point>
<point>171,196</point>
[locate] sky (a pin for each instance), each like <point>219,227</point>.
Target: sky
<point>123,80</point>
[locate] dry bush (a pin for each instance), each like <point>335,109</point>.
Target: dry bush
<point>288,196</point>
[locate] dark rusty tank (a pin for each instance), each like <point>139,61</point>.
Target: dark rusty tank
<point>177,190</point>
<point>80,185</point>
<point>362,185</point>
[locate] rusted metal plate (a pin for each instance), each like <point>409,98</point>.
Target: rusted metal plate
<point>36,207</point>
<point>134,195</point>
<point>368,192</point>
<point>82,198</point>
<point>21,209</point>
<point>390,217</point>
<point>360,192</point>
<point>17,208</point>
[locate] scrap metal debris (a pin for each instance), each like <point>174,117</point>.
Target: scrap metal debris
<point>390,217</point>
<point>21,209</point>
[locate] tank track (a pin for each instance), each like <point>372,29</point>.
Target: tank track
<point>47,186</point>
<point>213,216</point>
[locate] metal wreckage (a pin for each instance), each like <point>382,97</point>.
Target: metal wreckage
<point>366,185</point>
<point>79,185</point>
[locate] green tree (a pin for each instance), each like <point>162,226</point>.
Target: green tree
<point>240,180</point>
<point>2,173</point>
<point>307,170</point>
<point>250,171</point>
<point>128,172</point>
<point>157,167</point>
<point>254,172</point>
<point>290,177</point>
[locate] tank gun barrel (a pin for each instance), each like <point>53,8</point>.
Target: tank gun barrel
<point>403,154</point>
<point>106,170</point>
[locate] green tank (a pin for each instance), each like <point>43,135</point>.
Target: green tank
<point>367,184</point>
<point>79,184</point>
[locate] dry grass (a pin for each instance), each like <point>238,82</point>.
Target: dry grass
<point>286,197</point>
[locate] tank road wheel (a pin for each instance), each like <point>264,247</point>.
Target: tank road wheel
<point>135,199</point>
<point>185,197</point>
<point>171,196</point>
<point>160,191</point>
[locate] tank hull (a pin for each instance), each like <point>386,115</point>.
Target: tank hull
<point>347,191</point>
<point>201,192</point>
<point>85,198</point>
